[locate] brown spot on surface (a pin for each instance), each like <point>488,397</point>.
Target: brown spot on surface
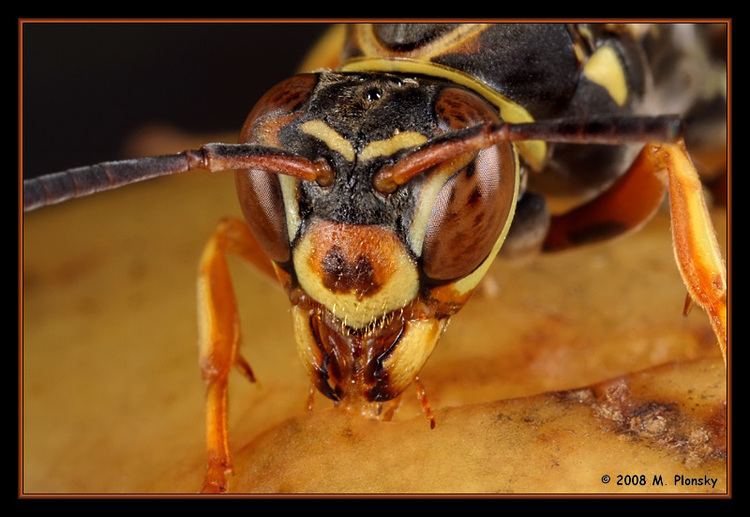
<point>66,272</point>
<point>137,270</point>
<point>665,424</point>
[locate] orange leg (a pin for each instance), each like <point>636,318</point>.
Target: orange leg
<point>633,199</point>
<point>219,337</point>
<point>695,246</point>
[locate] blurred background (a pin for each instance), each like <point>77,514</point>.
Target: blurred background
<point>88,87</point>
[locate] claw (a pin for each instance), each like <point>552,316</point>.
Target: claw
<point>687,305</point>
<point>245,368</point>
<point>215,481</point>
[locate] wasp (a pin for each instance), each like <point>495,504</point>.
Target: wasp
<point>380,183</point>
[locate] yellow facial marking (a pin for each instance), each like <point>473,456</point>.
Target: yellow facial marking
<point>392,145</point>
<point>533,151</point>
<point>291,206</point>
<point>306,346</point>
<point>326,134</point>
<point>412,351</point>
<point>326,259</point>
<point>427,194</point>
<point>604,68</point>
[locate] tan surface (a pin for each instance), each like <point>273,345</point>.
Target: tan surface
<point>113,400</point>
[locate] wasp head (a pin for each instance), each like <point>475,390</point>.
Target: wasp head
<point>374,276</point>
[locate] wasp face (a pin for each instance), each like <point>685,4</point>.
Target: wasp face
<point>374,277</point>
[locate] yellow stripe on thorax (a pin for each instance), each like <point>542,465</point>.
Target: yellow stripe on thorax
<point>533,151</point>
<point>604,68</point>
<point>371,46</point>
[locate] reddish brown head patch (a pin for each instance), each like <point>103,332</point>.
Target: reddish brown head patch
<point>343,276</point>
<point>352,258</point>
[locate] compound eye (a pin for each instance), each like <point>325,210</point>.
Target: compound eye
<point>263,206</point>
<point>469,214</point>
<point>278,108</point>
<point>259,191</point>
<point>472,207</point>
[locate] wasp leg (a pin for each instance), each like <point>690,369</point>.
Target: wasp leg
<point>219,336</point>
<point>693,237</point>
<point>633,199</point>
